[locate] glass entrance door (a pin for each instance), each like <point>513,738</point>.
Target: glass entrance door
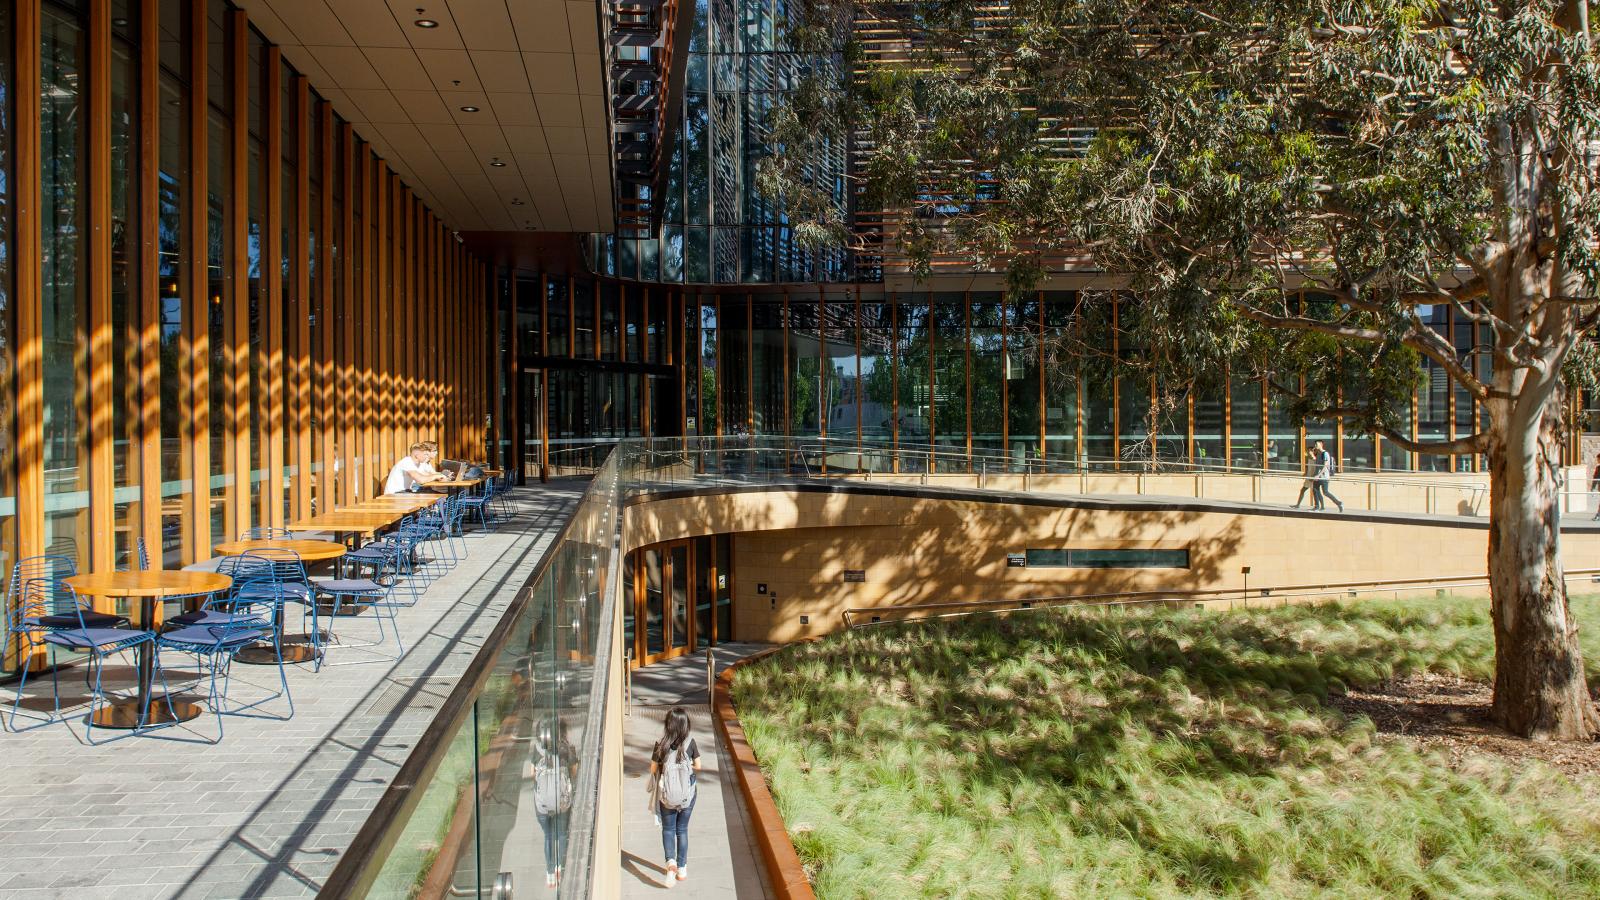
<point>663,586</point>
<point>682,600</point>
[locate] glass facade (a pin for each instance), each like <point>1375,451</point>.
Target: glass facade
<point>715,225</point>
<point>970,381</point>
<point>153,368</point>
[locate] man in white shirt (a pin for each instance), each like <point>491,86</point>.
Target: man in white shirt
<point>409,471</point>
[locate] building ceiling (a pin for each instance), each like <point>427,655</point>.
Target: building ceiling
<point>532,68</point>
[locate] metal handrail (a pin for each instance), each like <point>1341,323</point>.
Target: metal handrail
<point>1150,597</point>
<point>361,863</point>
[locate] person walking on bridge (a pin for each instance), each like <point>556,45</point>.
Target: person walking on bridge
<point>673,765</point>
<point>1323,466</point>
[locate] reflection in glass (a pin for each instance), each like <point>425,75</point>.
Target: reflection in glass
<point>654,604</point>
<point>948,316</point>
<point>703,594</point>
<point>63,286</point>
<point>912,397</point>
<point>125,312</point>
<point>8,499</point>
<point>679,554</point>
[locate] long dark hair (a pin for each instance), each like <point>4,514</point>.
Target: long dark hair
<point>675,735</point>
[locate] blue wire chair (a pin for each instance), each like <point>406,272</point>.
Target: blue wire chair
<point>375,592</point>
<point>50,616</point>
<point>478,504</point>
<point>291,585</point>
<point>221,634</point>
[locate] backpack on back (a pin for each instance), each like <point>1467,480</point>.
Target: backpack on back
<point>552,789</point>
<point>677,779</point>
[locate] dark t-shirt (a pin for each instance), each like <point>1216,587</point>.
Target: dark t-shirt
<point>692,751</point>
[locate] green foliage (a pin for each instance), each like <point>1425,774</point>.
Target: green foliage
<point>1160,754</point>
<point>1390,155</point>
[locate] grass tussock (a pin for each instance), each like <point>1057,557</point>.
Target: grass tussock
<point>1154,754</point>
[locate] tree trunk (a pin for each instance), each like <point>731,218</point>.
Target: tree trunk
<point>1539,686</point>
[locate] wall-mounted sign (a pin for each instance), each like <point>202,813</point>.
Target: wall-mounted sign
<point>855,575</point>
<point>1016,560</point>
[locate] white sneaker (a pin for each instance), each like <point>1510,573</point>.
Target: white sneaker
<point>672,874</point>
<point>683,873</point>
<point>549,879</point>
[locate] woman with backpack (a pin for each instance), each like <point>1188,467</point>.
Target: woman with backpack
<point>552,768</point>
<point>672,766</point>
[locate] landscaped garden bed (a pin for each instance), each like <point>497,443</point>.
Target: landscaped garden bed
<point>1335,750</point>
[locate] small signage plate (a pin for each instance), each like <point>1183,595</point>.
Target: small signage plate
<point>855,576</point>
<point>1016,560</point>
<point>761,588</point>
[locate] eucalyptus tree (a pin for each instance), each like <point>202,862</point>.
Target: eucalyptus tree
<point>1288,185</point>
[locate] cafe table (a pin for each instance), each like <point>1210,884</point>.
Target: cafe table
<point>150,588</point>
<point>307,551</point>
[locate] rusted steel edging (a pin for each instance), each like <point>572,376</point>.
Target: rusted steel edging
<point>784,872</point>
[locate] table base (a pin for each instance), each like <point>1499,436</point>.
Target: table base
<point>265,655</point>
<point>125,713</point>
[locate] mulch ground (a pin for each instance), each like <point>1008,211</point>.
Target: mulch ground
<point>1450,714</point>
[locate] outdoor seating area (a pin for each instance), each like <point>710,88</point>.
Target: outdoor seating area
<point>320,592</point>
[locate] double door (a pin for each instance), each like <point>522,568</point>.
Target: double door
<point>682,598</point>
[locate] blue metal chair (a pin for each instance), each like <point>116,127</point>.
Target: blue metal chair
<point>478,505</point>
<point>291,585</point>
<point>375,592</point>
<point>218,638</point>
<point>50,616</point>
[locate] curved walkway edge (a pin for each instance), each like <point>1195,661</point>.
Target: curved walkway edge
<point>786,876</point>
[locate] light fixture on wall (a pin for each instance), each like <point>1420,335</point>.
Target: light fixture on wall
<point>469,109</point>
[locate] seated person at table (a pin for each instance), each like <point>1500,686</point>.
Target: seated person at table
<point>409,471</point>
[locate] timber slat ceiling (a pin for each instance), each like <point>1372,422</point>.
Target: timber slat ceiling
<point>532,68</point>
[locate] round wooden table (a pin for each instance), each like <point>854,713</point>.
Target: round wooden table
<point>308,551</point>
<point>149,587</point>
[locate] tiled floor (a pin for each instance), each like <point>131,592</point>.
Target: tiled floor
<point>723,860</point>
<point>266,812</point>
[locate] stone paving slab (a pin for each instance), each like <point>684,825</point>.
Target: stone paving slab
<point>724,862</point>
<point>266,812</point>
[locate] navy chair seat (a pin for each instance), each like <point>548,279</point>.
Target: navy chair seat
<point>212,635</point>
<point>97,638</point>
<point>351,586</point>
<point>71,621</point>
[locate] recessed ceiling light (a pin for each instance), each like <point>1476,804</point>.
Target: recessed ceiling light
<point>426,23</point>
<point>469,109</point>
<point>498,164</point>
<point>119,22</point>
<point>515,202</point>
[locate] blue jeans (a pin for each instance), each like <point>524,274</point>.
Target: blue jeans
<point>555,839</point>
<point>675,832</point>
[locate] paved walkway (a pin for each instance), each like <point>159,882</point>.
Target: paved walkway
<point>266,812</point>
<point>723,859</point>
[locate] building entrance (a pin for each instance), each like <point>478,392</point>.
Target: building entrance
<point>681,596</point>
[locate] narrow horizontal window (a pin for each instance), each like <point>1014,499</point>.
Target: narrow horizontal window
<point>1122,558</point>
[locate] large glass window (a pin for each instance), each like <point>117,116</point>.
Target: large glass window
<point>177,461</point>
<point>583,318</point>
<point>1244,424</point>
<point>220,295</point>
<point>256,269</point>
<point>877,380</point>
<point>293,307</point>
<point>989,382</point>
<point>1208,414</point>
<point>126,323</point>
<point>948,315</point>
<point>705,359</point>
<point>733,369</point>
<point>64,285</point>
<point>1283,433</point>
<point>913,400</point>
<point>805,367</point>
<point>1062,372</point>
<point>8,490</point>
<point>1096,340</point>
<point>841,375</point>
<point>558,317</point>
<point>766,365</point>
<point>1020,369</point>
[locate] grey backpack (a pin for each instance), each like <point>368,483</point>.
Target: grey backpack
<point>552,789</point>
<point>677,779</point>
